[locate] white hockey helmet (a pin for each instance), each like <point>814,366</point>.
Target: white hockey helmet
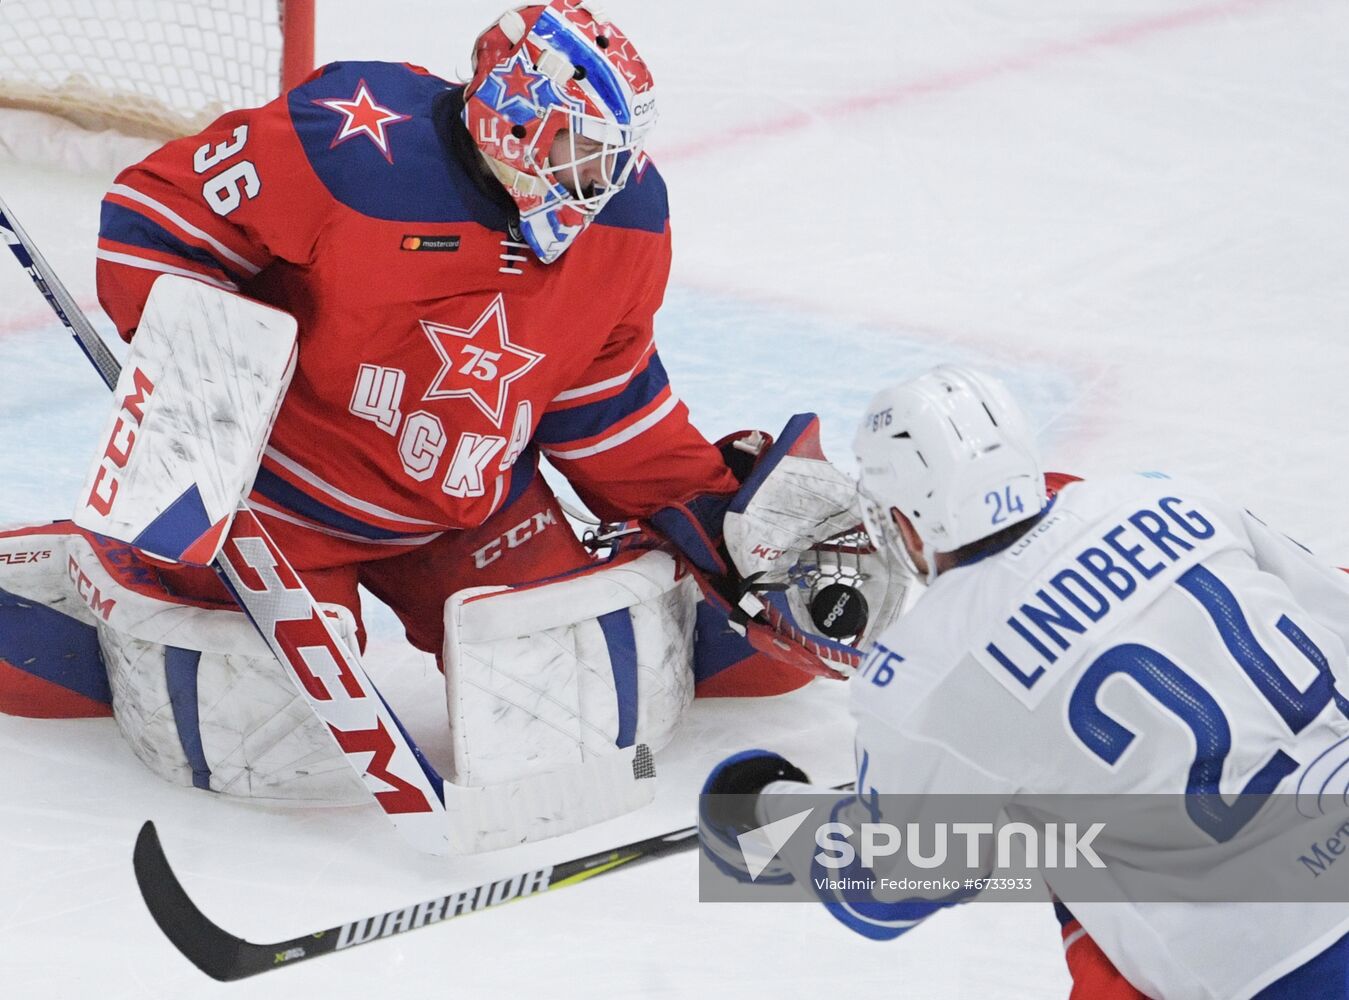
<point>954,453</point>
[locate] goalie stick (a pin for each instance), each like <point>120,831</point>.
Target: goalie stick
<point>32,261</point>
<point>340,693</point>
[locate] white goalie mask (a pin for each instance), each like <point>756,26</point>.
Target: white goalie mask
<point>954,453</point>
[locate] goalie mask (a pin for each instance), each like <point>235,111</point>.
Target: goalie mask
<point>559,105</point>
<point>953,452</point>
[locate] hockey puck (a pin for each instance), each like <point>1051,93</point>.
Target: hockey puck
<point>839,611</point>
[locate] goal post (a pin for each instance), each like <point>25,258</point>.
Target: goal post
<point>297,48</point>
<point>151,68</point>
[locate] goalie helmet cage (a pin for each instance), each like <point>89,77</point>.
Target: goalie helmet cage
<point>156,69</point>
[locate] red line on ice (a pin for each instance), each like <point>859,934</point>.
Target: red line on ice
<point>1121,35</point>
<point>40,319</point>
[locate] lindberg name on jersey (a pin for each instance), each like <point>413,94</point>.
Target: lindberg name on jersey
<point>1102,583</point>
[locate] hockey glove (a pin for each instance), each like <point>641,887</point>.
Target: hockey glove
<point>742,547</point>
<point>726,812</point>
<point>793,499</point>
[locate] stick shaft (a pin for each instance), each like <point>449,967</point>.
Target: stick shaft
<point>65,307</point>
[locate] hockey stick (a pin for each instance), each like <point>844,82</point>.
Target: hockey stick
<point>32,261</point>
<point>339,692</point>
<point>222,956</point>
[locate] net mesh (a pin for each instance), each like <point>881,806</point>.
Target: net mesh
<point>156,68</point>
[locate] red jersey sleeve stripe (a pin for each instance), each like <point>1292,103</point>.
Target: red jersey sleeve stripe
<point>604,388</point>
<point>621,433</point>
<point>124,194</point>
<point>207,268</point>
<point>1071,938</point>
<point>146,261</point>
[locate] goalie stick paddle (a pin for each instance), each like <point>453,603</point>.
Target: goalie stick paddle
<point>223,956</point>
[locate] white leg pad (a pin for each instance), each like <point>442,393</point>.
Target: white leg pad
<point>561,673</point>
<point>229,722</point>
<point>202,700</point>
<point>198,696</point>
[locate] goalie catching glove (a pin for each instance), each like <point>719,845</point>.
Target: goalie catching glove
<point>792,499</point>
<point>757,553</point>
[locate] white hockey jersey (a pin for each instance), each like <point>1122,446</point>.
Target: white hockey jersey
<point>1140,638</point>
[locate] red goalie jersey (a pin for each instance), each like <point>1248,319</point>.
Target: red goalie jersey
<point>435,351</point>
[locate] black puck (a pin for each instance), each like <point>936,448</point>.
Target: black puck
<point>839,611</point>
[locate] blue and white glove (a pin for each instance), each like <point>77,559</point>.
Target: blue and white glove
<point>792,499</point>
<point>744,546</point>
<point>726,811</point>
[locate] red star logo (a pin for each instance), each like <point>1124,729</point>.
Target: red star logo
<point>519,82</point>
<point>364,116</point>
<point>479,363</point>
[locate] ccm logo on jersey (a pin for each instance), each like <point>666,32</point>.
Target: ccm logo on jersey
<point>117,452</point>
<point>513,538</point>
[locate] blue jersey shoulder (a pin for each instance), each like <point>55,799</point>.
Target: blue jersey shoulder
<point>368,132</point>
<point>642,204</point>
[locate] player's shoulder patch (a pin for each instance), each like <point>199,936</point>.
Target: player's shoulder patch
<point>368,132</point>
<point>935,636</point>
<point>897,676</point>
<point>642,204</point>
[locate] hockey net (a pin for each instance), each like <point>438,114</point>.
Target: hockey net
<point>149,68</point>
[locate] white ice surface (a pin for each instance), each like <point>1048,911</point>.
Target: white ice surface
<point>1135,210</point>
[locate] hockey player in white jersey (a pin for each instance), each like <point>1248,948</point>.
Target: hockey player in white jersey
<point>1134,635</point>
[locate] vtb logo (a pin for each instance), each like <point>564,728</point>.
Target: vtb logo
<point>117,452</point>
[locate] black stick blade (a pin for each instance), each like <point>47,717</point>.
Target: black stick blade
<point>214,951</point>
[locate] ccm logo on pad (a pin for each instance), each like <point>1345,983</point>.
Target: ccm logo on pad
<point>117,452</point>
